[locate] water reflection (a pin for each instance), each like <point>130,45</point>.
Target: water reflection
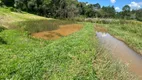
<point>121,51</point>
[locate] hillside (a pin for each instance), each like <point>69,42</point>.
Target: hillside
<point>73,56</point>
<point>24,57</point>
<point>7,17</point>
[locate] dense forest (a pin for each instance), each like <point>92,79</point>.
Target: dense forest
<point>70,9</point>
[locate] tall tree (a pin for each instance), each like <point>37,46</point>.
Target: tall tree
<point>1,3</point>
<point>126,12</point>
<point>9,3</point>
<point>97,7</point>
<point>63,8</point>
<point>139,14</point>
<point>91,10</point>
<point>109,11</point>
<point>126,8</point>
<point>81,6</point>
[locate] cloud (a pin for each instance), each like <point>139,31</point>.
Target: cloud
<point>117,8</point>
<point>135,5</point>
<point>140,3</point>
<point>112,1</point>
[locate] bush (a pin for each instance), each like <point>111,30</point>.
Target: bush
<point>15,10</point>
<point>1,3</point>
<point>2,28</point>
<point>9,3</point>
<point>2,41</point>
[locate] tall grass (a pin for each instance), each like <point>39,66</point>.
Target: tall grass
<point>30,59</point>
<point>7,17</point>
<point>75,57</point>
<point>106,20</point>
<point>1,40</point>
<point>2,28</point>
<point>109,68</point>
<point>34,26</point>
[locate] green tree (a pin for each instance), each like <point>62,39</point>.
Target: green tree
<point>81,7</point>
<point>1,3</point>
<point>109,11</point>
<point>126,12</point>
<point>9,3</point>
<point>90,10</point>
<point>139,14</point>
<point>97,7</point>
<point>63,8</point>
<point>126,8</point>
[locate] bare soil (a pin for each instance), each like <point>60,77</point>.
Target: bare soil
<point>62,31</point>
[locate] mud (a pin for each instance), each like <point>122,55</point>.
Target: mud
<point>121,51</point>
<point>62,31</point>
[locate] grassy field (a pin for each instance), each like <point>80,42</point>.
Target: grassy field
<point>75,57</point>
<point>25,58</point>
<point>6,13</point>
<point>7,17</point>
<point>128,31</point>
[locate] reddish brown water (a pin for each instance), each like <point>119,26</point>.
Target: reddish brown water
<point>64,30</point>
<point>120,50</point>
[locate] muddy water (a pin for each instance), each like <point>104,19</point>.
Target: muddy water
<point>120,50</point>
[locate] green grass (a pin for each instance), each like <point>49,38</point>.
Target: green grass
<point>75,57</point>
<point>7,17</point>
<point>2,28</point>
<point>34,26</point>
<point>110,68</point>
<point>1,40</point>
<point>67,58</point>
<point>29,22</point>
<point>130,33</point>
<point>3,11</point>
<point>6,13</point>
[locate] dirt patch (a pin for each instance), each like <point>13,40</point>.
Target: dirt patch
<point>100,28</point>
<point>64,30</point>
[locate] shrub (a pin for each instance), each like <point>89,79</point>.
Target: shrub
<point>2,28</point>
<point>2,41</point>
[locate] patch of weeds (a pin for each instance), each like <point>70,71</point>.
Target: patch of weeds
<point>2,28</point>
<point>67,58</point>
<point>2,41</point>
<point>110,68</point>
<point>130,32</point>
<point>42,25</point>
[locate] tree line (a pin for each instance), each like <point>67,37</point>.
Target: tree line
<point>71,8</point>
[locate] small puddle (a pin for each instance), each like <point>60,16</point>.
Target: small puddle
<point>62,31</point>
<point>120,50</point>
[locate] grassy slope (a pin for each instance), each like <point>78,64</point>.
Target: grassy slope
<point>28,22</point>
<point>22,57</point>
<point>14,16</point>
<point>71,57</point>
<point>128,32</point>
<point>7,17</point>
<point>68,58</point>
